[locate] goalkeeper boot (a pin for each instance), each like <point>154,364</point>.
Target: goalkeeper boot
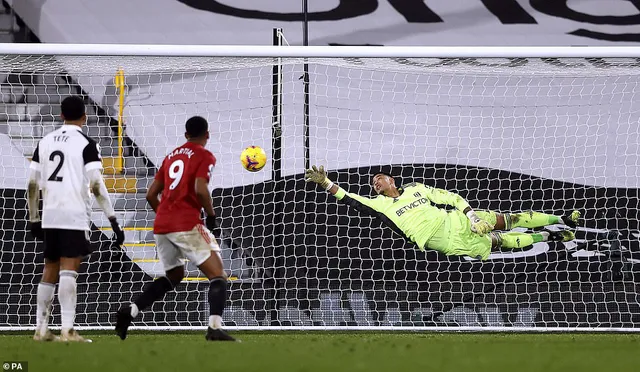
<point>48,336</point>
<point>218,335</point>
<point>561,236</point>
<point>70,335</point>
<point>571,219</point>
<point>123,321</point>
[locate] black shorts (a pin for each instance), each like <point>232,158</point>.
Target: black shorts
<point>65,243</point>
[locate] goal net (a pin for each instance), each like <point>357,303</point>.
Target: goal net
<point>508,134</point>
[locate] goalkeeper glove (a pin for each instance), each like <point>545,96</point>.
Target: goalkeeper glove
<point>36,230</point>
<point>118,234</point>
<point>478,225</point>
<point>319,176</point>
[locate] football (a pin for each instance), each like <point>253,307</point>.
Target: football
<point>253,158</point>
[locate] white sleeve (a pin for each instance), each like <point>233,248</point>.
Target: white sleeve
<point>35,159</point>
<point>100,191</point>
<point>91,157</point>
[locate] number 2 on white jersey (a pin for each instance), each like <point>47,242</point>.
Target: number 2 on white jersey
<point>176,169</point>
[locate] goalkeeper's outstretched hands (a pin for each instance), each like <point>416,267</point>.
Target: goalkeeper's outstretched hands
<point>478,225</point>
<point>319,176</point>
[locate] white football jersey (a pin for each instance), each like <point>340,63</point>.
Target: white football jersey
<point>63,158</point>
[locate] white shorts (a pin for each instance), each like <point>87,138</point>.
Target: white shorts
<point>195,245</point>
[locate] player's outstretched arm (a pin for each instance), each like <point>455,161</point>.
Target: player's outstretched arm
<point>440,196</point>
<point>364,205</point>
<point>99,189</point>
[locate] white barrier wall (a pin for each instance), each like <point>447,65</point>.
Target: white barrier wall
<point>419,22</point>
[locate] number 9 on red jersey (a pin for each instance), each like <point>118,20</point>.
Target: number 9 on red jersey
<point>179,208</point>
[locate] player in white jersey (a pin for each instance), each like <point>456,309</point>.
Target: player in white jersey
<point>66,165</point>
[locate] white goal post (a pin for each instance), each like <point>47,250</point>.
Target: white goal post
<point>511,129</point>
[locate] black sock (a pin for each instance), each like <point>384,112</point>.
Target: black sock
<point>217,295</point>
<point>153,292</point>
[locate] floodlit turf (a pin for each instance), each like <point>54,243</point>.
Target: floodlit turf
<point>310,352</point>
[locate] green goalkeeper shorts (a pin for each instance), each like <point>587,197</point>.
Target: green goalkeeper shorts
<point>456,238</point>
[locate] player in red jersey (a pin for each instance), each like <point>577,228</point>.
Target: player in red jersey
<point>183,180</point>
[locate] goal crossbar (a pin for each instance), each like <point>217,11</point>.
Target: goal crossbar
<point>261,51</point>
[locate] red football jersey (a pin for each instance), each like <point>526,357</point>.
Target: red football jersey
<point>179,208</point>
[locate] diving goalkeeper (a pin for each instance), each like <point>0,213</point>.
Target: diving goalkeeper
<point>412,212</point>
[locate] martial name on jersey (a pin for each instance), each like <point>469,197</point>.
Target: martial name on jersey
<point>181,151</point>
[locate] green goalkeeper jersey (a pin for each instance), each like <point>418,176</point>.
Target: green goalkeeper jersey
<point>414,214</point>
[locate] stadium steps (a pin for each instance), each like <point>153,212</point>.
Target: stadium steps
<point>29,112</point>
<point>47,90</point>
<point>36,89</point>
<point>121,184</point>
<point>26,137</point>
<point>110,165</point>
<point>27,123</point>
<point>116,179</point>
<point>137,221</point>
<point>30,109</point>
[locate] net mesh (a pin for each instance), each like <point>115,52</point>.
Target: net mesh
<point>509,135</point>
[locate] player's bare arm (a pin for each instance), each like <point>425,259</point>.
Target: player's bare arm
<point>202,192</point>
<point>33,197</point>
<point>204,198</point>
<point>153,194</point>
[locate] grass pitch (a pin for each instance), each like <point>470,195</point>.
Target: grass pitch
<point>318,351</point>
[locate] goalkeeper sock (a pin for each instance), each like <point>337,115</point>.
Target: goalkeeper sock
<point>516,240</point>
<point>45,298</point>
<point>530,220</point>
<point>217,300</point>
<point>68,296</point>
<point>151,294</point>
